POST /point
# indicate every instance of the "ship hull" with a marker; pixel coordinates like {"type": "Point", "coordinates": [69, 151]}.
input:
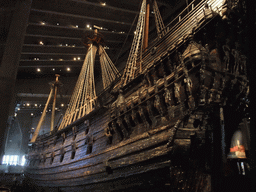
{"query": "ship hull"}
{"type": "Point", "coordinates": [165, 130]}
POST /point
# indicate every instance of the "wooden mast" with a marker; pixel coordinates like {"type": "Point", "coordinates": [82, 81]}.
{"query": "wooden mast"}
{"type": "Point", "coordinates": [54, 87]}
{"type": "Point", "coordinates": [54, 101]}
{"type": "Point", "coordinates": [145, 45]}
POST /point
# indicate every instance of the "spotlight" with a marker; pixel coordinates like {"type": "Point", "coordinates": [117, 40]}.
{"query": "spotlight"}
{"type": "Point", "coordinates": [38, 69]}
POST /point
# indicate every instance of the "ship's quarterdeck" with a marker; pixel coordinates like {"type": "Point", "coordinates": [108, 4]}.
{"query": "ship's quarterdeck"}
{"type": "Point", "coordinates": [121, 96]}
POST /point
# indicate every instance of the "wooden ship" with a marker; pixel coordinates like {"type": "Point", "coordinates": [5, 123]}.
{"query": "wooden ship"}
{"type": "Point", "coordinates": [165, 124]}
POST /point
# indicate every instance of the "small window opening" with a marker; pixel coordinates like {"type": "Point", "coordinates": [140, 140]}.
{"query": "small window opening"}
{"type": "Point", "coordinates": [73, 154]}
{"type": "Point", "coordinates": [61, 157]}
{"type": "Point", "coordinates": [89, 149]}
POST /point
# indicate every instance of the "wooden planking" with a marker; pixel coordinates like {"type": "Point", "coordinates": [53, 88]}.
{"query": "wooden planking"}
{"type": "Point", "coordinates": [115, 152]}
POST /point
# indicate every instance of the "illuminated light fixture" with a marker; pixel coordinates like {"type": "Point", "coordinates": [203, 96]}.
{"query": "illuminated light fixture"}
{"type": "Point", "coordinates": [62, 105]}
{"type": "Point", "coordinates": [28, 104]}
{"type": "Point", "coordinates": [37, 58]}
{"type": "Point", "coordinates": [66, 44]}
{"type": "Point", "coordinates": [38, 69]}
{"type": "Point", "coordinates": [103, 4]}
{"type": "Point", "coordinates": [34, 58]}
{"type": "Point", "coordinates": [78, 58]}
{"type": "Point", "coordinates": [61, 59]}
{"type": "Point", "coordinates": [15, 114]}
{"type": "Point", "coordinates": [56, 108]}
{"type": "Point", "coordinates": [88, 26]}
{"type": "Point", "coordinates": [32, 128]}
{"type": "Point", "coordinates": [135, 32]}
{"type": "Point", "coordinates": [41, 43]}
{"type": "Point", "coordinates": [152, 12]}
{"type": "Point", "coordinates": [35, 105]}
{"type": "Point", "coordinates": [32, 114]}
{"type": "Point", "coordinates": [50, 110]}
{"type": "Point", "coordinates": [53, 69]}
{"type": "Point", "coordinates": [76, 26]}
{"type": "Point", "coordinates": [74, 58]}
{"type": "Point", "coordinates": [43, 22]}
{"type": "Point", "coordinates": [74, 45]}
{"type": "Point", "coordinates": [51, 59]}
{"type": "Point", "coordinates": [60, 44]}
{"type": "Point", "coordinates": [57, 23]}
{"type": "Point", "coordinates": [60, 69]}
{"type": "Point", "coordinates": [18, 109]}
{"type": "Point", "coordinates": [68, 69]}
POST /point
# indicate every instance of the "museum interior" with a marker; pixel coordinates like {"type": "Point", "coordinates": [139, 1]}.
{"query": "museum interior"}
{"type": "Point", "coordinates": [127, 95]}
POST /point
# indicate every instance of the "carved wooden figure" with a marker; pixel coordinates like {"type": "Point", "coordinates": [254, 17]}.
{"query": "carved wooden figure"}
{"type": "Point", "coordinates": [108, 134]}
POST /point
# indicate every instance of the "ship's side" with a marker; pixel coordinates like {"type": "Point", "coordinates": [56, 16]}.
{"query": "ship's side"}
{"type": "Point", "coordinates": [163, 129]}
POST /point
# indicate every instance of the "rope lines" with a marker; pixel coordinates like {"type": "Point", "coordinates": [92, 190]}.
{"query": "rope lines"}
{"type": "Point", "coordinates": [83, 99]}
{"type": "Point", "coordinates": [137, 43]}
{"type": "Point", "coordinates": [109, 71]}
{"type": "Point", "coordinates": [161, 31]}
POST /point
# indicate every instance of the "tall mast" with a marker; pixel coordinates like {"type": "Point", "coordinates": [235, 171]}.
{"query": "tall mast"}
{"type": "Point", "coordinates": [54, 89]}
{"type": "Point", "coordinates": [54, 101]}
{"type": "Point", "coordinates": [146, 30]}
{"type": "Point", "coordinates": [84, 98]}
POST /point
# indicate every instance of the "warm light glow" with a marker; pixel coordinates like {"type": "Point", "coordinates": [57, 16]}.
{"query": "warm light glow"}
{"type": "Point", "coordinates": [76, 26]}
{"type": "Point", "coordinates": [35, 105]}
{"type": "Point", "coordinates": [66, 44]}
{"type": "Point", "coordinates": [41, 43]}
{"type": "Point", "coordinates": [32, 114]}
{"type": "Point", "coordinates": [32, 128]}
{"type": "Point", "coordinates": [53, 69]}
{"type": "Point", "coordinates": [74, 58]}
{"type": "Point", "coordinates": [78, 58]}
{"type": "Point", "coordinates": [62, 105]}
{"type": "Point", "coordinates": [18, 109]}
{"type": "Point", "coordinates": [15, 114]}
{"type": "Point", "coordinates": [28, 104]}
{"type": "Point", "coordinates": [51, 59]}
{"type": "Point", "coordinates": [43, 22]}
{"type": "Point", "coordinates": [88, 26]}
{"type": "Point", "coordinates": [57, 24]}
{"type": "Point", "coordinates": [135, 32]}
{"type": "Point", "coordinates": [37, 58]}
{"type": "Point", "coordinates": [103, 4]}
{"type": "Point", "coordinates": [68, 69]}
{"type": "Point", "coordinates": [38, 69]}
{"type": "Point", "coordinates": [61, 59]}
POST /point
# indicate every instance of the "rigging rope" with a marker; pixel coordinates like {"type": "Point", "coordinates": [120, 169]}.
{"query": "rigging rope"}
{"type": "Point", "coordinates": [83, 99]}
{"type": "Point", "coordinates": [161, 30]}
{"type": "Point", "coordinates": [137, 43]}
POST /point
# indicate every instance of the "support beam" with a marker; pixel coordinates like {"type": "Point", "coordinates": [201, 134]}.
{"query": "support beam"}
{"type": "Point", "coordinates": [10, 63]}
{"type": "Point", "coordinates": [69, 38]}
{"type": "Point", "coordinates": [79, 16]}
{"type": "Point", "coordinates": [107, 6]}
